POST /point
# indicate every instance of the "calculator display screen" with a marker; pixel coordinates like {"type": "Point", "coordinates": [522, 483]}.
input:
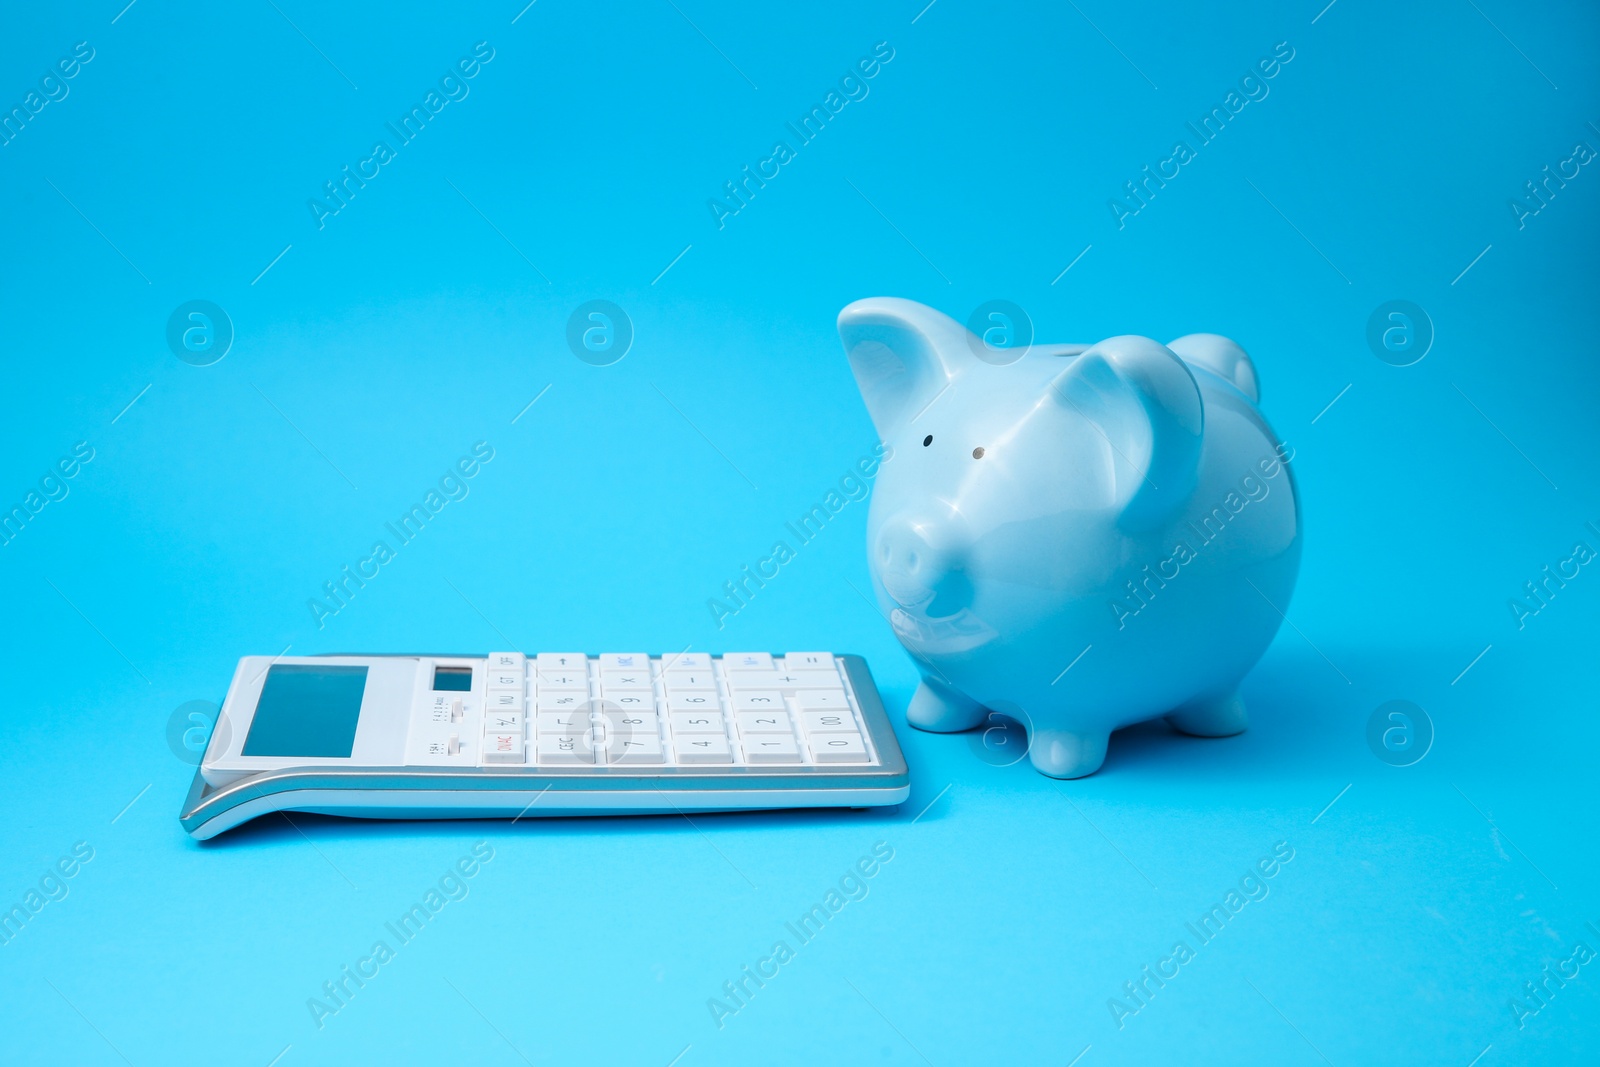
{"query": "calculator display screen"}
{"type": "Point", "coordinates": [452, 679]}
{"type": "Point", "coordinates": [307, 710]}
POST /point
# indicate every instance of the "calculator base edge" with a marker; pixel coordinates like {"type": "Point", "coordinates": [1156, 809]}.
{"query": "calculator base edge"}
{"type": "Point", "coordinates": [477, 804]}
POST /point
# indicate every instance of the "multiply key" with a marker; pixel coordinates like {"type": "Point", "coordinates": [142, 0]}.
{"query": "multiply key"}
{"type": "Point", "coordinates": [611, 681]}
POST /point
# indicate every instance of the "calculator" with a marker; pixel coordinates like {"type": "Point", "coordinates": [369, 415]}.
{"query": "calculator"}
{"type": "Point", "coordinates": [557, 733]}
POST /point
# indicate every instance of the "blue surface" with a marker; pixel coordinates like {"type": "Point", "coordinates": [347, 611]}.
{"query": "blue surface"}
{"type": "Point", "coordinates": [379, 349]}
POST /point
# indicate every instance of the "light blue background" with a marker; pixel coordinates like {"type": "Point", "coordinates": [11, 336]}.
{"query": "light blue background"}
{"type": "Point", "coordinates": [411, 326]}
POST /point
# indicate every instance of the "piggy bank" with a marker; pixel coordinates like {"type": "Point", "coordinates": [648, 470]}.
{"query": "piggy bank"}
{"type": "Point", "coordinates": [1080, 536]}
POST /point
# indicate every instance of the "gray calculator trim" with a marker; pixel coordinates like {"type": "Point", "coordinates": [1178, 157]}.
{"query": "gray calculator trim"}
{"type": "Point", "coordinates": [206, 809]}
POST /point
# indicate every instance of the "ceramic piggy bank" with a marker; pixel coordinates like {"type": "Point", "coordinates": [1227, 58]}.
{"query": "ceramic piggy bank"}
{"type": "Point", "coordinates": [1086, 537]}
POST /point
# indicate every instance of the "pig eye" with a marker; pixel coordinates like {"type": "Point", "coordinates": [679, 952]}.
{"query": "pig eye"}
{"type": "Point", "coordinates": [928, 440]}
{"type": "Point", "coordinates": [977, 453]}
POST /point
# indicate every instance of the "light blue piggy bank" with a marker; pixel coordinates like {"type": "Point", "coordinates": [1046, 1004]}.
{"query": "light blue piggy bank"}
{"type": "Point", "coordinates": [1084, 538]}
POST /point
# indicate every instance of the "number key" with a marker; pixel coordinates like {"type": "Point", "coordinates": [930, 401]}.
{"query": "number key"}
{"type": "Point", "coordinates": [696, 722]}
{"type": "Point", "coordinates": [838, 748]}
{"type": "Point", "coordinates": [698, 748]}
{"type": "Point", "coordinates": [770, 749]}
{"type": "Point", "coordinates": [828, 722]}
{"type": "Point", "coordinates": [635, 750]}
{"type": "Point", "coordinates": [763, 722]}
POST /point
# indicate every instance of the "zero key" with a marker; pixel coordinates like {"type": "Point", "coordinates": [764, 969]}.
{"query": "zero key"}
{"type": "Point", "coordinates": [838, 748]}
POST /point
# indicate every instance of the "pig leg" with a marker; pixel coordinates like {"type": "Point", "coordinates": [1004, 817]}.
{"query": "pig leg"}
{"type": "Point", "coordinates": [1066, 754]}
{"type": "Point", "coordinates": [1218, 714]}
{"type": "Point", "coordinates": [938, 708]}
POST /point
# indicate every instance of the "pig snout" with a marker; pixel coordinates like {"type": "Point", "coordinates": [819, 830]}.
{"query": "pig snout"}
{"type": "Point", "coordinates": [922, 566]}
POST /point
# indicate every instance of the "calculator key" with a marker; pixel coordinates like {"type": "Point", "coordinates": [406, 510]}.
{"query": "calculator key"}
{"type": "Point", "coordinates": [632, 700]}
{"type": "Point", "coordinates": [625, 679]}
{"type": "Point", "coordinates": [810, 680]}
{"type": "Point", "coordinates": [809, 661]}
{"type": "Point", "coordinates": [503, 722]}
{"type": "Point", "coordinates": [701, 748]}
{"type": "Point", "coordinates": [625, 661]}
{"type": "Point", "coordinates": [634, 750]}
{"type": "Point", "coordinates": [760, 680]}
{"type": "Point", "coordinates": [747, 661]}
{"type": "Point", "coordinates": [575, 681]}
{"type": "Point", "coordinates": [763, 722]}
{"type": "Point", "coordinates": [822, 698]}
{"type": "Point", "coordinates": [562, 661]}
{"type": "Point", "coordinates": [758, 700]}
{"type": "Point", "coordinates": [838, 748]}
{"type": "Point", "coordinates": [788, 681]}
{"type": "Point", "coordinates": [503, 748]}
{"type": "Point", "coordinates": [828, 722]}
{"type": "Point", "coordinates": [686, 661]}
{"type": "Point", "coordinates": [696, 722]}
{"type": "Point", "coordinates": [690, 681]}
{"type": "Point", "coordinates": [770, 748]}
{"type": "Point", "coordinates": [506, 661]}
{"type": "Point", "coordinates": [563, 722]}
{"type": "Point", "coordinates": [504, 700]}
{"type": "Point", "coordinates": [696, 702]}
{"type": "Point", "coordinates": [558, 749]}
{"type": "Point", "coordinates": [505, 680]}
{"type": "Point", "coordinates": [561, 701]}
{"type": "Point", "coordinates": [627, 723]}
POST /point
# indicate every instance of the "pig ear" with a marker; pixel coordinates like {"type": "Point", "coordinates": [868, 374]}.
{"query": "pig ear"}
{"type": "Point", "coordinates": [903, 354]}
{"type": "Point", "coordinates": [1145, 403]}
{"type": "Point", "coordinates": [1222, 357]}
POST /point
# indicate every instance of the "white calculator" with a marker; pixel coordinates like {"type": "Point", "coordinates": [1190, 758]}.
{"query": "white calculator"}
{"type": "Point", "coordinates": [558, 733]}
